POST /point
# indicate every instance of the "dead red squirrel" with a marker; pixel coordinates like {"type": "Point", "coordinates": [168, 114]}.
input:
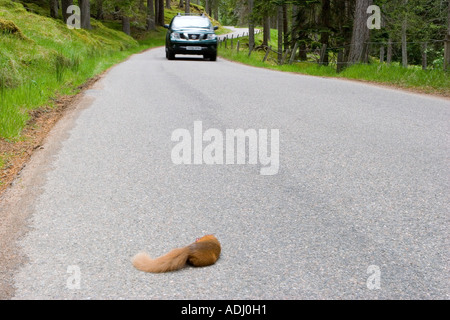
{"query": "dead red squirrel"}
{"type": "Point", "coordinates": [203, 252]}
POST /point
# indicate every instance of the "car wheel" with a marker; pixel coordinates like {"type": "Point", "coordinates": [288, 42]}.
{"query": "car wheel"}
{"type": "Point", "coordinates": [213, 57]}
{"type": "Point", "coordinates": [170, 55]}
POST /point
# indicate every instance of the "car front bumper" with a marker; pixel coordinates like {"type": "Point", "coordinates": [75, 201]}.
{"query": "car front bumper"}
{"type": "Point", "coordinates": [193, 47]}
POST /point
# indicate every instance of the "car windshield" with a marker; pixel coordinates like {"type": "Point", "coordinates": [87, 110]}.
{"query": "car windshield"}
{"type": "Point", "coordinates": [191, 22]}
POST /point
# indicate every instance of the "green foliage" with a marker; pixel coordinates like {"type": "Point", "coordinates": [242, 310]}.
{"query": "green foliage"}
{"type": "Point", "coordinates": [9, 27]}
{"type": "Point", "coordinates": [228, 12]}
{"type": "Point", "coordinates": [434, 81]}
{"type": "Point", "coordinates": [426, 22]}
{"type": "Point", "coordinates": [310, 23]}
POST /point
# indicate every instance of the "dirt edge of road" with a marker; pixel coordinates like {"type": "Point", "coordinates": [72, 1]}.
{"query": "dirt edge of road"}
{"type": "Point", "coordinates": [42, 120]}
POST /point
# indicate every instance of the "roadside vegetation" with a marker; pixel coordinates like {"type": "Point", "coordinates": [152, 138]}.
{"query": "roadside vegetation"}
{"type": "Point", "coordinates": [402, 43]}
{"type": "Point", "coordinates": [434, 80]}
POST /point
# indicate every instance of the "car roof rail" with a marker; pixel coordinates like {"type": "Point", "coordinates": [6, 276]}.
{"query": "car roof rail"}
{"type": "Point", "coordinates": [191, 14]}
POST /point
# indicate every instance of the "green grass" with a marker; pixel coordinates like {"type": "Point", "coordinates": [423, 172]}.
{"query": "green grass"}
{"type": "Point", "coordinates": [434, 81]}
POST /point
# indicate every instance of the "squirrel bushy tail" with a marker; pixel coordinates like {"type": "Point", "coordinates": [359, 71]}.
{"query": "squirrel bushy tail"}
{"type": "Point", "coordinates": [203, 252]}
{"type": "Point", "coordinates": [174, 260]}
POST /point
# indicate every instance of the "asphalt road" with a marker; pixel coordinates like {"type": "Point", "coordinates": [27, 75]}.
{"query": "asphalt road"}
{"type": "Point", "coordinates": [234, 32]}
{"type": "Point", "coordinates": [357, 210]}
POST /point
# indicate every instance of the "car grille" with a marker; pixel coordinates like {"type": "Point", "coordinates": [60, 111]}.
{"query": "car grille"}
{"type": "Point", "coordinates": [192, 36]}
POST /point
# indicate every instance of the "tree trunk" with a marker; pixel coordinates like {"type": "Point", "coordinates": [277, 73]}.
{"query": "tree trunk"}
{"type": "Point", "coordinates": [389, 51]}
{"type": "Point", "coordinates": [64, 5]}
{"type": "Point", "coordinates": [126, 25]}
{"type": "Point", "coordinates": [324, 35]}
{"type": "Point", "coordinates": [360, 32]}
{"type": "Point", "coordinates": [280, 32]}
{"type": "Point", "coordinates": [404, 44]}
{"type": "Point", "coordinates": [424, 56]}
{"type": "Point", "coordinates": [266, 31]}
{"type": "Point", "coordinates": [150, 15]}
{"type": "Point", "coordinates": [208, 6]}
{"type": "Point", "coordinates": [168, 4]}
{"type": "Point", "coordinates": [349, 9]}
{"type": "Point", "coordinates": [180, 5]}
{"type": "Point", "coordinates": [298, 32]}
{"type": "Point", "coordinates": [161, 13]}
{"type": "Point", "coordinates": [447, 44]}
{"type": "Point", "coordinates": [285, 28]}
{"type": "Point", "coordinates": [85, 7]}
{"type": "Point", "coordinates": [216, 9]}
{"type": "Point", "coordinates": [187, 9]}
{"type": "Point", "coordinates": [294, 26]}
{"type": "Point", "coordinates": [448, 21]}
{"type": "Point", "coordinates": [340, 61]}
{"type": "Point", "coordinates": [251, 27]}
{"type": "Point", "coordinates": [54, 8]}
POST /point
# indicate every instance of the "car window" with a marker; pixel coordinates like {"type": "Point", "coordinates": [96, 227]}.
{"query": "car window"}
{"type": "Point", "coordinates": [190, 22]}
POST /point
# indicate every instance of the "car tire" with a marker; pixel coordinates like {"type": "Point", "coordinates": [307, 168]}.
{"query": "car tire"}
{"type": "Point", "coordinates": [170, 55]}
{"type": "Point", "coordinates": [211, 57]}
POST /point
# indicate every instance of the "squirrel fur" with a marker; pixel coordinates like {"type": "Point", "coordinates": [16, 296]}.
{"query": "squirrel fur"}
{"type": "Point", "coordinates": [203, 252]}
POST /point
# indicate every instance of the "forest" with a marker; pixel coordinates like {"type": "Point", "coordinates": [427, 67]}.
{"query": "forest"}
{"type": "Point", "coordinates": [408, 28]}
{"type": "Point", "coordinates": [410, 31]}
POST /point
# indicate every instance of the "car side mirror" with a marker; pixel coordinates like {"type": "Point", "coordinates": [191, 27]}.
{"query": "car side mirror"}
{"type": "Point", "coordinates": [166, 26]}
{"type": "Point", "coordinates": [216, 27]}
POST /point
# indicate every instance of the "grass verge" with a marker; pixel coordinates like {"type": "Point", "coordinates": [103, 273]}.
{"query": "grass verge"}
{"type": "Point", "coordinates": [431, 81]}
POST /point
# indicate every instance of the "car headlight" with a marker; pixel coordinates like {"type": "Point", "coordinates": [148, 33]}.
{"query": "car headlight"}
{"type": "Point", "coordinates": [175, 36]}
{"type": "Point", "coordinates": [211, 36]}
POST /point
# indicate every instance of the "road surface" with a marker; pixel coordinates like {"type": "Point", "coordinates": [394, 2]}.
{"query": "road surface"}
{"type": "Point", "coordinates": [235, 32]}
{"type": "Point", "coordinates": [358, 208]}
